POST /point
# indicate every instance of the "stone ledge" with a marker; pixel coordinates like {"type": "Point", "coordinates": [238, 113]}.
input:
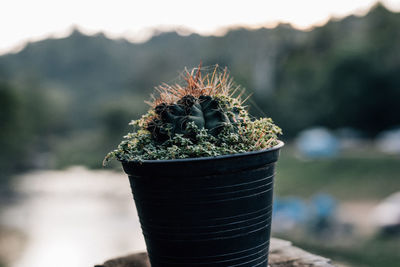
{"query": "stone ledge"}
{"type": "Point", "coordinates": [282, 254]}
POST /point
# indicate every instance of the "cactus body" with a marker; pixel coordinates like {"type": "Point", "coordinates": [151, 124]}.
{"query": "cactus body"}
{"type": "Point", "coordinates": [204, 112]}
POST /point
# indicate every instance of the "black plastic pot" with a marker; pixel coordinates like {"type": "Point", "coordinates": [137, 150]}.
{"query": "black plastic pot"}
{"type": "Point", "coordinates": [211, 211]}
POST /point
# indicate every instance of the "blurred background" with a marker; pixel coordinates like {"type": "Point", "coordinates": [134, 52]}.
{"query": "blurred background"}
{"type": "Point", "coordinates": [72, 76]}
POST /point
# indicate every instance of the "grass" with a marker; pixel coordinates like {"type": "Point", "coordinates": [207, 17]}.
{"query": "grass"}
{"type": "Point", "coordinates": [359, 175]}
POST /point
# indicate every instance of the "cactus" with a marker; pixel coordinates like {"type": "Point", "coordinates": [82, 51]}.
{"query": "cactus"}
{"type": "Point", "coordinates": [204, 112]}
{"type": "Point", "coordinates": [202, 118]}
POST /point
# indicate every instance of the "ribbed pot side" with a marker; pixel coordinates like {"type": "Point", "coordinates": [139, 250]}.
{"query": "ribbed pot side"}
{"type": "Point", "coordinates": [211, 211]}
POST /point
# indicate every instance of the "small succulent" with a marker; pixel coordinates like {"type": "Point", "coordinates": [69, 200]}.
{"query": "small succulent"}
{"type": "Point", "coordinates": [203, 118]}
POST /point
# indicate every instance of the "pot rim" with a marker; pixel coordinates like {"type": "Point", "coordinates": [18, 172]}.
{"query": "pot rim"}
{"type": "Point", "coordinates": [277, 147]}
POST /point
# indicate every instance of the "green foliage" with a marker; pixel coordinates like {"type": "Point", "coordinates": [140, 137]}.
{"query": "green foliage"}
{"type": "Point", "coordinates": [340, 75]}
{"type": "Point", "coordinates": [14, 131]}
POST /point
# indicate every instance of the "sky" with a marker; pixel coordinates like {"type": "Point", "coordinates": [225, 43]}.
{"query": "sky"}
{"type": "Point", "coordinates": [26, 20]}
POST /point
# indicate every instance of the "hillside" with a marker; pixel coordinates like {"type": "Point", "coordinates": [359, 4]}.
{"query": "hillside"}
{"type": "Point", "coordinates": [79, 90]}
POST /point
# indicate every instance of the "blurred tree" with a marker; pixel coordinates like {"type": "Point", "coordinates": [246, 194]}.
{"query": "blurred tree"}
{"type": "Point", "coordinates": [13, 131]}
{"type": "Point", "coordinates": [363, 96]}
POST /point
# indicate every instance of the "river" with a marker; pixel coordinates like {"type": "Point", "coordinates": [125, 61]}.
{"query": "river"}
{"type": "Point", "coordinates": [75, 217]}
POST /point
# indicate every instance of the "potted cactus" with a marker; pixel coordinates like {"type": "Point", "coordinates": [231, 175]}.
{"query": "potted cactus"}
{"type": "Point", "coordinates": [201, 172]}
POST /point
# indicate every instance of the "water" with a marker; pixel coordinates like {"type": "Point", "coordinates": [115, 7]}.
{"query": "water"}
{"type": "Point", "coordinates": [76, 217]}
